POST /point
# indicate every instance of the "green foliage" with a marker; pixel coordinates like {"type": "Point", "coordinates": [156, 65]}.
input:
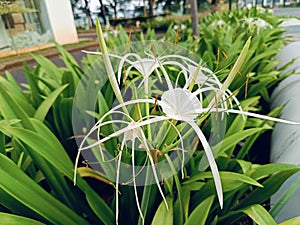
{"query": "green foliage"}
{"type": "Point", "coordinates": [37, 151]}
{"type": "Point", "coordinates": [36, 124]}
{"type": "Point", "coordinates": [10, 219]}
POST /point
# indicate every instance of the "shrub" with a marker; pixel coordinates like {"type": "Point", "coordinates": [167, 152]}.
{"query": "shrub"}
{"type": "Point", "coordinates": [38, 148]}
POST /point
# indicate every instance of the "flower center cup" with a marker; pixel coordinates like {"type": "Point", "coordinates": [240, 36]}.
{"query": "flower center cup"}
{"type": "Point", "coordinates": [180, 104]}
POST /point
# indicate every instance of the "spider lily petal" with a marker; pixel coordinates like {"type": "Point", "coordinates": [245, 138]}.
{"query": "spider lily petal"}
{"type": "Point", "coordinates": [179, 104]}
{"type": "Point", "coordinates": [211, 161]}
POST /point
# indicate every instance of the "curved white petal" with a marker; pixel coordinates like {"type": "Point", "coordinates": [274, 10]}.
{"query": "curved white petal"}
{"type": "Point", "coordinates": [211, 161]}
{"type": "Point", "coordinates": [179, 104]}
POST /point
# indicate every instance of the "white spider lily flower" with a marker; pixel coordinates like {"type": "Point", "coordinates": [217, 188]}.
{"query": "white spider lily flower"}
{"type": "Point", "coordinates": [146, 66]}
{"type": "Point", "coordinates": [179, 27]}
{"type": "Point", "coordinates": [258, 23]}
{"type": "Point", "coordinates": [182, 105]}
{"type": "Point", "coordinates": [134, 132]}
{"type": "Point", "coordinates": [130, 133]}
{"type": "Point", "coordinates": [218, 23]}
{"type": "Point", "coordinates": [179, 102]}
{"type": "Point", "coordinates": [207, 80]}
{"type": "Point", "coordinates": [176, 27]}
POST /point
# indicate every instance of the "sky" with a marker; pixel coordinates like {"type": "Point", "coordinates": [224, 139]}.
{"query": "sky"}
{"type": "Point", "coordinates": [95, 4]}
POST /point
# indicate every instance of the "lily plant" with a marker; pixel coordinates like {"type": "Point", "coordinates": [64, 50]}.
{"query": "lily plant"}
{"type": "Point", "coordinates": [171, 95]}
{"type": "Point", "coordinates": [252, 23]}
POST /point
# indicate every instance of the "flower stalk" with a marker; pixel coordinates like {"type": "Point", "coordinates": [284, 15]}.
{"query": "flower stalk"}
{"type": "Point", "coordinates": [108, 66]}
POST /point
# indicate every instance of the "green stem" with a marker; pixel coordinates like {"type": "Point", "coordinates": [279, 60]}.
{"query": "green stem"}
{"type": "Point", "coordinates": [108, 66]}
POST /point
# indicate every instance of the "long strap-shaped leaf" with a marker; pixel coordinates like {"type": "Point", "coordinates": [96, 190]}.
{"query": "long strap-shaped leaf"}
{"type": "Point", "coordinates": [259, 214]}
{"type": "Point", "coordinates": [6, 218]}
{"type": "Point", "coordinates": [24, 190]}
{"type": "Point", "coordinates": [45, 144]}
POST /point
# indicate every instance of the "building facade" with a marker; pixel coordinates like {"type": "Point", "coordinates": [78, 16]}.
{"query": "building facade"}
{"type": "Point", "coordinates": [52, 21]}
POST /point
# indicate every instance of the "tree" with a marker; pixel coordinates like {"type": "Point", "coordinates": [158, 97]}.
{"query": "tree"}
{"type": "Point", "coordinates": [83, 6]}
{"type": "Point", "coordinates": [144, 8]}
{"type": "Point", "coordinates": [102, 11]}
{"type": "Point", "coordinates": [194, 15]}
{"type": "Point", "coordinates": [230, 5]}
{"type": "Point", "coordinates": [171, 5]}
{"type": "Point", "coordinates": [86, 9]}
{"type": "Point", "coordinates": [184, 7]}
{"type": "Point", "coordinates": [151, 7]}
{"type": "Point", "coordinates": [113, 4]}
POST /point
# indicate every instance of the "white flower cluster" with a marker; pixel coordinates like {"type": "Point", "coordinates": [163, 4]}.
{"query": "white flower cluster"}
{"type": "Point", "coordinates": [218, 23]}
{"type": "Point", "coordinates": [257, 23]}
{"type": "Point", "coordinates": [168, 92]}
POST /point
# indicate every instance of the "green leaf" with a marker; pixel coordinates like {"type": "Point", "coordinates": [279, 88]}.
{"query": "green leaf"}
{"type": "Point", "coordinates": [2, 144]}
{"type": "Point", "coordinates": [66, 54]}
{"type": "Point", "coordinates": [49, 67]}
{"type": "Point", "coordinates": [230, 180]}
{"type": "Point", "coordinates": [228, 143]}
{"type": "Point", "coordinates": [51, 148]}
{"type": "Point", "coordinates": [11, 110]}
{"type": "Point", "coordinates": [259, 215]}
{"type": "Point", "coordinates": [10, 219]}
{"type": "Point", "coordinates": [288, 193]}
{"type": "Point", "coordinates": [44, 108]}
{"type": "Point", "coordinates": [164, 216]}
{"type": "Point", "coordinates": [68, 78]}
{"type": "Point", "coordinates": [270, 186]}
{"type": "Point", "coordinates": [236, 68]}
{"type": "Point", "coordinates": [11, 204]}
{"type": "Point", "coordinates": [262, 171]}
{"type": "Point", "coordinates": [32, 80]}
{"type": "Point", "coordinates": [12, 86]}
{"type": "Point", "coordinates": [235, 138]}
{"type": "Point", "coordinates": [293, 221]}
{"type": "Point", "coordinates": [236, 126]}
{"type": "Point", "coordinates": [98, 206]}
{"type": "Point", "coordinates": [186, 197]}
{"type": "Point", "coordinates": [245, 165]}
{"type": "Point", "coordinates": [91, 173]}
{"type": "Point", "coordinates": [200, 213]}
{"type": "Point", "coordinates": [54, 153]}
{"type": "Point", "coordinates": [24, 190]}
{"type": "Point", "coordinates": [148, 202]}
{"type": "Point", "coordinates": [178, 206]}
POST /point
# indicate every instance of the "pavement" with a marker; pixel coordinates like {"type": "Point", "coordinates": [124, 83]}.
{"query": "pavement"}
{"type": "Point", "coordinates": [15, 67]}
{"type": "Point", "coordinates": [287, 11]}
{"type": "Point", "coordinates": [285, 140]}
{"type": "Point", "coordinates": [291, 25]}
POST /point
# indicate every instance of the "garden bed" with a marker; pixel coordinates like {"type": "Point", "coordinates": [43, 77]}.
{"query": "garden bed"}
{"type": "Point", "coordinates": [178, 151]}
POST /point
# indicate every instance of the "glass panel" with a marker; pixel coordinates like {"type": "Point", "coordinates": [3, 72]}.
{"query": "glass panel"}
{"type": "Point", "coordinates": [23, 30]}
